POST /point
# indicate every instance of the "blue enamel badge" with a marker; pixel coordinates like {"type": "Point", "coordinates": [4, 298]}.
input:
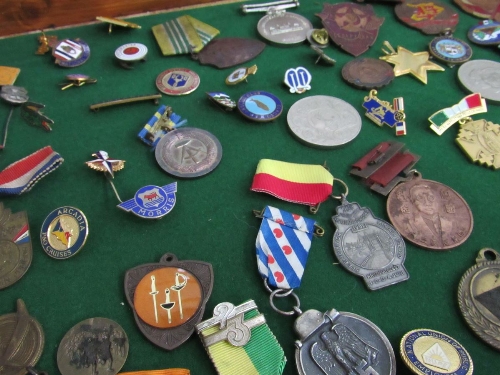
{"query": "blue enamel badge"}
{"type": "Point", "coordinates": [260, 106]}
{"type": "Point", "coordinates": [152, 202]}
{"type": "Point", "coordinates": [71, 52]}
{"type": "Point", "coordinates": [298, 80]}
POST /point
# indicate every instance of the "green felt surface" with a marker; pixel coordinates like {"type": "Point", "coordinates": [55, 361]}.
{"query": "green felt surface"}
{"type": "Point", "coordinates": [212, 220]}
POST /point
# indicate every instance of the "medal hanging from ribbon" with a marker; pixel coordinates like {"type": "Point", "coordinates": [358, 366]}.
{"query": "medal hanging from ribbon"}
{"type": "Point", "coordinates": [22, 175]}
{"type": "Point", "coordinates": [298, 183]}
{"type": "Point", "coordinates": [282, 245]}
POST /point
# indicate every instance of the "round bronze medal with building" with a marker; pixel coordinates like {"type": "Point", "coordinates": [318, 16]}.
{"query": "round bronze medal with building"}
{"type": "Point", "coordinates": [430, 214]}
{"type": "Point", "coordinates": [64, 232]}
{"type": "Point", "coordinates": [93, 346]}
{"type": "Point", "coordinates": [478, 296]}
{"type": "Point", "coordinates": [426, 351]}
{"type": "Point", "coordinates": [177, 81]}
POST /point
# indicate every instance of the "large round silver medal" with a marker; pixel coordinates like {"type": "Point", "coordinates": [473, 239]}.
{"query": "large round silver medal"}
{"type": "Point", "coordinates": [368, 247]}
{"type": "Point", "coordinates": [341, 343]}
{"type": "Point", "coordinates": [284, 27]}
{"type": "Point", "coordinates": [478, 296]}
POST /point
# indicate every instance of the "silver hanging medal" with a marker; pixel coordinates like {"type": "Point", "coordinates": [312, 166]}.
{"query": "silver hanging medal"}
{"type": "Point", "coordinates": [331, 343]}
{"type": "Point", "coordinates": [368, 246]}
{"type": "Point", "coordinates": [279, 26]}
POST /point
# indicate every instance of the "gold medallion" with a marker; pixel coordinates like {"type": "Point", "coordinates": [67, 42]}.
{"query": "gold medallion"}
{"type": "Point", "coordinates": [480, 140]}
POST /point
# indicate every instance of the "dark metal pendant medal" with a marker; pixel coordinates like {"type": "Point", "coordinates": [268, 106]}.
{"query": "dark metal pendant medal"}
{"type": "Point", "coordinates": [226, 52]}
{"type": "Point", "coordinates": [168, 298]}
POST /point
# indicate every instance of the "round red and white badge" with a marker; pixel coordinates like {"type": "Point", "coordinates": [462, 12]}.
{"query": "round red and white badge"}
{"type": "Point", "coordinates": [131, 52]}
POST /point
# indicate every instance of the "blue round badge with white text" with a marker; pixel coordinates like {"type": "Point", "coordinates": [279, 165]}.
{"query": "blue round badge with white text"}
{"type": "Point", "coordinates": [151, 201]}
{"type": "Point", "coordinates": [260, 106]}
{"type": "Point", "coordinates": [64, 232]}
{"type": "Point", "coordinates": [450, 50]}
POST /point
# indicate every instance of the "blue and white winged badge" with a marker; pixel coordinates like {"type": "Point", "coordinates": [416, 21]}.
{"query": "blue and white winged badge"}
{"type": "Point", "coordinates": [152, 202]}
{"type": "Point", "coordinates": [282, 245]}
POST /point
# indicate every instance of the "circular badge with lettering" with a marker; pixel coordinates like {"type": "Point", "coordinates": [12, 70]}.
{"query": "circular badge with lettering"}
{"type": "Point", "coordinates": [426, 351]}
{"type": "Point", "coordinates": [450, 50]}
{"type": "Point", "coordinates": [260, 106]}
{"type": "Point", "coordinates": [167, 297]}
{"type": "Point", "coordinates": [64, 232]}
{"type": "Point", "coordinates": [71, 52]}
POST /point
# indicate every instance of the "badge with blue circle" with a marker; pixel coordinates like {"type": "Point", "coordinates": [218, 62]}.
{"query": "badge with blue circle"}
{"type": "Point", "coordinates": [487, 32]}
{"type": "Point", "coordinates": [298, 80]}
{"type": "Point", "coordinates": [151, 201]}
{"type": "Point", "coordinates": [260, 106]}
{"type": "Point", "coordinates": [450, 50]}
{"type": "Point", "coordinates": [64, 232]}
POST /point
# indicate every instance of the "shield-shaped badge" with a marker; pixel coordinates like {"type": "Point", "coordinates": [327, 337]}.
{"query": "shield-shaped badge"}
{"type": "Point", "coordinates": [353, 27]}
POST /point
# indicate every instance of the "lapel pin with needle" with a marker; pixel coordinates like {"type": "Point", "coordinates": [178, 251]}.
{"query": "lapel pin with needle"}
{"type": "Point", "coordinates": [14, 95]}
{"type": "Point", "coordinates": [149, 202]}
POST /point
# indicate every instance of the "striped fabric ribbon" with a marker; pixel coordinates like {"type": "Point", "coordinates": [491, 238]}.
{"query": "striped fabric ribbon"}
{"type": "Point", "coordinates": [259, 354]}
{"type": "Point", "coordinates": [183, 35]}
{"type": "Point", "coordinates": [282, 245]}
{"type": "Point", "coordinates": [445, 118]}
{"type": "Point", "coordinates": [169, 371]}
{"type": "Point", "coordinates": [298, 183]}
{"type": "Point", "coordinates": [22, 175]}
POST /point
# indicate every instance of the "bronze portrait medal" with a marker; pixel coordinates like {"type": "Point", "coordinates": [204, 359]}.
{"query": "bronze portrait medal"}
{"type": "Point", "coordinates": [92, 347]}
{"type": "Point", "coordinates": [21, 342]}
{"type": "Point", "coordinates": [425, 212]}
{"type": "Point", "coordinates": [353, 27]}
{"type": "Point", "coordinates": [479, 297]}
{"type": "Point", "coordinates": [367, 73]}
{"type": "Point", "coordinates": [16, 252]}
{"type": "Point", "coordinates": [168, 298]}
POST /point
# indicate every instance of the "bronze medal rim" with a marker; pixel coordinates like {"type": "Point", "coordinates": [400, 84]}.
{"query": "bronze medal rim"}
{"type": "Point", "coordinates": [403, 11]}
{"type": "Point", "coordinates": [392, 197]}
{"type": "Point", "coordinates": [363, 61]}
{"type": "Point", "coordinates": [479, 324]}
{"type": "Point", "coordinates": [66, 369]}
{"type": "Point", "coordinates": [36, 346]}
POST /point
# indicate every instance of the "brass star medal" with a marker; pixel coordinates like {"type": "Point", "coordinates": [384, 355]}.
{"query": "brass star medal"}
{"type": "Point", "coordinates": [406, 62]}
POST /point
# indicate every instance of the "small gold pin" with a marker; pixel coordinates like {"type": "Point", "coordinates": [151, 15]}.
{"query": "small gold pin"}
{"type": "Point", "coordinates": [117, 22]}
{"type": "Point", "coordinates": [77, 80]}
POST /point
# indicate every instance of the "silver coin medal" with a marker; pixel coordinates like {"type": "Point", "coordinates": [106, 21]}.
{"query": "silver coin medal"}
{"type": "Point", "coordinates": [481, 76]}
{"type": "Point", "coordinates": [149, 202]}
{"type": "Point", "coordinates": [279, 26]}
{"type": "Point", "coordinates": [324, 121]}
{"type": "Point", "coordinates": [333, 342]}
{"type": "Point", "coordinates": [368, 246]}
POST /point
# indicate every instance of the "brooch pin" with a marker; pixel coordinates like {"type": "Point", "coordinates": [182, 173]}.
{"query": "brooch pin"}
{"type": "Point", "coordinates": [298, 80]}
{"type": "Point", "coordinates": [149, 202]}
{"type": "Point", "coordinates": [240, 75]}
{"type": "Point", "coordinates": [381, 112]}
{"type": "Point", "coordinates": [163, 121]}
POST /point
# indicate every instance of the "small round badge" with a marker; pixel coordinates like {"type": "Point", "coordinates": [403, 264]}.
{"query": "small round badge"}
{"type": "Point", "coordinates": [450, 50]}
{"type": "Point", "coordinates": [131, 52]}
{"type": "Point", "coordinates": [177, 81]}
{"type": "Point", "coordinates": [64, 232]}
{"type": "Point", "coordinates": [71, 52]}
{"type": "Point", "coordinates": [260, 106]}
{"type": "Point", "coordinates": [426, 351]}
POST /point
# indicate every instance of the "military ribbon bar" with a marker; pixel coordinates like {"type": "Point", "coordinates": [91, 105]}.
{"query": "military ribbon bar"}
{"type": "Point", "coordinates": [298, 183]}
{"type": "Point", "coordinates": [22, 175]}
{"type": "Point", "coordinates": [445, 118]}
{"type": "Point", "coordinates": [282, 245]}
{"type": "Point", "coordinates": [183, 35]}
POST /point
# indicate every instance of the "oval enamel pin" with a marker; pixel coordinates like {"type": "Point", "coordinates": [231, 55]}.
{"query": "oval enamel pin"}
{"type": "Point", "coordinates": [260, 106]}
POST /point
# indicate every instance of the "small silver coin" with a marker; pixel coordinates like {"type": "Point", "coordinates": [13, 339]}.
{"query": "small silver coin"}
{"type": "Point", "coordinates": [188, 152]}
{"type": "Point", "coordinates": [482, 76]}
{"type": "Point", "coordinates": [93, 346]}
{"type": "Point", "coordinates": [286, 28]}
{"type": "Point", "coordinates": [324, 121]}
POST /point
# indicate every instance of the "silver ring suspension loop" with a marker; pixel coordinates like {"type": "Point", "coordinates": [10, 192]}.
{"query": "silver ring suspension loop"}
{"type": "Point", "coordinates": [278, 293]}
{"type": "Point", "coordinates": [343, 195]}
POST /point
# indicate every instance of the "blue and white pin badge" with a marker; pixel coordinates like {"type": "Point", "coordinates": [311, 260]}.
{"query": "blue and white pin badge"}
{"type": "Point", "coordinates": [163, 121]}
{"type": "Point", "coordinates": [382, 112]}
{"type": "Point", "coordinates": [298, 80]}
{"type": "Point", "coordinates": [70, 52]}
{"type": "Point", "coordinates": [152, 202]}
{"type": "Point", "coordinates": [149, 202]}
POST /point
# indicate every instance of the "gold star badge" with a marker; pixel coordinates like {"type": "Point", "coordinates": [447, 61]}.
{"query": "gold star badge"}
{"type": "Point", "coordinates": [408, 62]}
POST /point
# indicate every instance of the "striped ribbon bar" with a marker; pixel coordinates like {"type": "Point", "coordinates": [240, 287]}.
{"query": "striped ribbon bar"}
{"type": "Point", "coordinates": [445, 118]}
{"type": "Point", "coordinates": [282, 245]}
{"type": "Point", "coordinates": [298, 183]}
{"type": "Point", "coordinates": [183, 35]}
{"type": "Point", "coordinates": [160, 124]}
{"type": "Point", "coordinates": [169, 371]}
{"type": "Point", "coordinates": [22, 175]}
{"type": "Point", "coordinates": [239, 341]}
